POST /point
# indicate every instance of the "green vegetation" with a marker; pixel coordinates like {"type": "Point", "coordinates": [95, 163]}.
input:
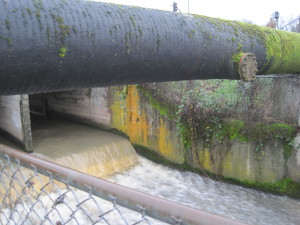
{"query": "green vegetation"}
{"type": "Point", "coordinates": [64, 29]}
{"type": "Point", "coordinates": [215, 129]}
{"type": "Point", "coordinates": [38, 14]}
{"type": "Point", "coordinates": [8, 40]}
{"type": "Point", "coordinates": [38, 4]}
{"type": "Point", "coordinates": [29, 12]}
{"type": "Point", "coordinates": [237, 57]}
{"type": "Point", "coordinates": [198, 117]}
{"type": "Point", "coordinates": [140, 32]}
{"type": "Point", "coordinates": [281, 47]}
{"type": "Point", "coordinates": [213, 100]}
{"type": "Point", "coordinates": [38, 17]}
{"type": "Point", "coordinates": [164, 108]}
{"type": "Point", "coordinates": [184, 130]}
{"type": "Point", "coordinates": [133, 21]}
{"type": "Point", "coordinates": [191, 33]}
{"type": "Point", "coordinates": [282, 52]}
{"type": "Point", "coordinates": [62, 52]}
{"type": "Point", "coordinates": [233, 129]}
{"type": "Point", "coordinates": [58, 19]}
{"type": "Point", "coordinates": [123, 93]}
{"type": "Point", "coordinates": [210, 97]}
{"type": "Point", "coordinates": [286, 186]}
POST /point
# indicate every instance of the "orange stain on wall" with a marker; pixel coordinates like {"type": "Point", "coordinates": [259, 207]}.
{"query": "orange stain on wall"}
{"type": "Point", "coordinates": [131, 117]}
{"type": "Point", "coordinates": [128, 116]}
{"type": "Point", "coordinates": [163, 142]}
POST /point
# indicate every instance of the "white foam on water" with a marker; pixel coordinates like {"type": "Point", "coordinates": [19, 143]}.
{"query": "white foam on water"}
{"type": "Point", "coordinates": [231, 201]}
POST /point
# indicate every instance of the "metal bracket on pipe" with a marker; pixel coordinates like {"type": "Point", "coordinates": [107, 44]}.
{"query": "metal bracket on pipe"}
{"type": "Point", "coordinates": [248, 67]}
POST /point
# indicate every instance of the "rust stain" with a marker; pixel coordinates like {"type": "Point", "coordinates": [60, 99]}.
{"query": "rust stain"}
{"type": "Point", "coordinates": [163, 139]}
{"type": "Point", "coordinates": [134, 118]}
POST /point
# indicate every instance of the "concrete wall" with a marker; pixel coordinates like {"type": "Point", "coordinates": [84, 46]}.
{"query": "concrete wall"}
{"type": "Point", "coordinates": [87, 105]}
{"type": "Point", "coordinates": [121, 108]}
{"type": "Point", "coordinates": [286, 100]}
{"type": "Point", "coordinates": [150, 122]}
{"type": "Point", "coordinates": [264, 99]}
{"type": "Point", "coordinates": [15, 119]}
{"type": "Point", "coordinates": [274, 100]}
{"type": "Point", "coordinates": [240, 160]}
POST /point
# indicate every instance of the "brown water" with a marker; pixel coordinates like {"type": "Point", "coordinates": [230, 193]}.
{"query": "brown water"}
{"type": "Point", "coordinates": [106, 155]}
{"type": "Point", "coordinates": [79, 147]}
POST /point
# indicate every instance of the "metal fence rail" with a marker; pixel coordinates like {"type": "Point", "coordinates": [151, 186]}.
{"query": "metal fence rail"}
{"type": "Point", "coordinates": [35, 191]}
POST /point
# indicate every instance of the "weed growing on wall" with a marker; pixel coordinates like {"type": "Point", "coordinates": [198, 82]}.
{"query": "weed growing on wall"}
{"type": "Point", "coordinates": [209, 116]}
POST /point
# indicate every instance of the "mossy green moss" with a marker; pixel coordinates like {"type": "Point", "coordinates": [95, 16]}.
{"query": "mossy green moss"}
{"type": "Point", "coordinates": [282, 49]}
{"type": "Point", "coordinates": [168, 110]}
{"type": "Point", "coordinates": [260, 134]}
{"type": "Point", "coordinates": [62, 52]}
{"type": "Point", "coordinates": [133, 20]}
{"type": "Point", "coordinates": [8, 40]}
{"type": "Point", "coordinates": [238, 129]}
{"type": "Point", "coordinates": [285, 186]}
{"type": "Point", "coordinates": [288, 186]}
{"type": "Point", "coordinates": [185, 131]}
{"type": "Point", "coordinates": [29, 12]}
{"type": "Point", "coordinates": [233, 129]}
{"type": "Point", "coordinates": [237, 57]}
{"type": "Point", "coordinates": [164, 108]}
{"type": "Point", "coordinates": [38, 17]}
{"type": "Point", "coordinates": [65, 30]}
{"type": "Point", "coordinates": [213, 128]}
{"type": "Point", "coordinates": [38, 4]}
{"type": "Point", "coordinates": [192, 33]}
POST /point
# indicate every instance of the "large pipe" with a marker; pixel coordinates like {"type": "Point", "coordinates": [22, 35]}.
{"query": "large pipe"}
{"type": "Point", "coordinates": [51, 45]}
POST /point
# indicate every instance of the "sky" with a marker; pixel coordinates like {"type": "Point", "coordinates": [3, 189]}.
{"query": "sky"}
{"type": "Point", "coordinates": [257, 11]}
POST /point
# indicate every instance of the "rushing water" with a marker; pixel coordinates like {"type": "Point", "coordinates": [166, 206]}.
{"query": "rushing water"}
{"type": "Point", "coordinates": [231, 201]}
{"type": "Point", "coordinates": [88, 150]}
{"type": "Point", "coordinates": [103, 154]}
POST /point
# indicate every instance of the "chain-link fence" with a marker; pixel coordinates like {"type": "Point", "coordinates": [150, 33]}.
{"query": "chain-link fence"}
{"type": "Point", "coordinates": [34, 191]}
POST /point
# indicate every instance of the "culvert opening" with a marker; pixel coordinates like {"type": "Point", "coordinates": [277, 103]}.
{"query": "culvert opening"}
{"type": "Point", "coordinates": [87, 149]}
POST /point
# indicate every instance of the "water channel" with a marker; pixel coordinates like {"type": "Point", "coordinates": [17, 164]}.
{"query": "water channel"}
{"type": "Point", "coordinates": [112, 157]}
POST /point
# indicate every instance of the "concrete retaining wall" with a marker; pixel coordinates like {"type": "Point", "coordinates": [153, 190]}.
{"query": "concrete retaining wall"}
{"type": "Point", "coordinates": [124, 109]}
{"type": "Point", "coordinates": [15, 119]}
{"type": "Point", "coordinates": [151, 123]}
{"type": "Point", "coordinates": [87, 105]}
{"type": "Point", "coordinates": [241, 160]}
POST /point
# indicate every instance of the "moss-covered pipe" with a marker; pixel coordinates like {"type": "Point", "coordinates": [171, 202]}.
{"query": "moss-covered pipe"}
{"type": "Point", "coordinates": [50, 45]}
